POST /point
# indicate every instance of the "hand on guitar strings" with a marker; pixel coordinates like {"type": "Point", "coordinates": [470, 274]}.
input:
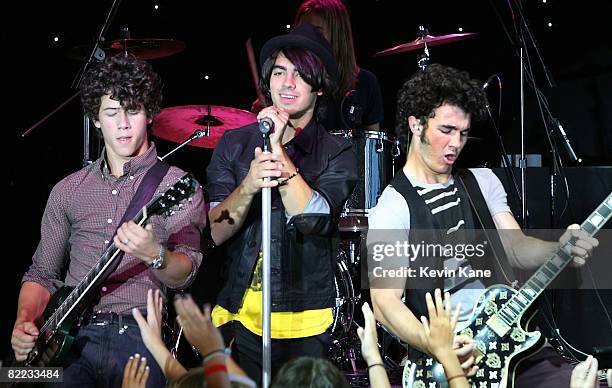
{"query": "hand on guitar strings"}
{"type": "Point", "coordinates": [23, 338]}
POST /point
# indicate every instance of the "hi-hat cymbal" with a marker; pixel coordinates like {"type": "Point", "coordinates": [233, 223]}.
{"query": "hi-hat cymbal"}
{"type": "Point", "coordinates": [141, 48]}
{"type": "Point", "coordinates": [178, 123]}
{"type": "Point", "coordinates": [419, 43]}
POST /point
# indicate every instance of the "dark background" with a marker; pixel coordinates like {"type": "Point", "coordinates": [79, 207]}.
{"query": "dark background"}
{"type": "Point", "coordinates": [38, 73]}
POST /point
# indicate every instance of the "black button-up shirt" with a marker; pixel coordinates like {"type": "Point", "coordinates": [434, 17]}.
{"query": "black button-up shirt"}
{"type": "Point", "coordinates": [303, 255]}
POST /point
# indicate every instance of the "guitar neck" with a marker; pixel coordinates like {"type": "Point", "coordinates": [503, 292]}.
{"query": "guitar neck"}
{"type": "Point", "coordinates": [548, 272]}
{"type": "Point", "coordinates": [107, 263]}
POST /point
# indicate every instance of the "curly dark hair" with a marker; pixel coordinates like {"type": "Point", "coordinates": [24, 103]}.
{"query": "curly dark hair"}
{"type": "Point", "coordinates": [311, 69]}
{"type": "Point", "coordinates": [427, 90]}
{"type": "Point", "coordinates": [125, 78]}
{"type": "Point", "coordinates": [309, 372]}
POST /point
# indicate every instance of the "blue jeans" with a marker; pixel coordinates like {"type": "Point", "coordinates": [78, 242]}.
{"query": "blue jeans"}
{"type": "Point", "coordinates": [100, 352]}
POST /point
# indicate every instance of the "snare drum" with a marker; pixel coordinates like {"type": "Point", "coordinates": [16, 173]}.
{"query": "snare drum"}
{"type": "Point", "coordinates": [376, 153]}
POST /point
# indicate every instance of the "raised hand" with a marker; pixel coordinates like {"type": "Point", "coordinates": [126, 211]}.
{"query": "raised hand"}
{"type": "Point", "coordinates": [585, 375]}
{"type": "Point", "coordinates": [368, 337]}
{"type": "Point", "coordinates": [150, 328]}
{"type": "Point", "coordinates": [135, 373]}
{"type": "Point", "coordinates": [197, 325]}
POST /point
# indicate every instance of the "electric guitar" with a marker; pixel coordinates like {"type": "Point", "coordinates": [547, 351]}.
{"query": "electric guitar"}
{"type": "Point", "coordinates": [65, 310]}
{"type": "Point", "coordinates": [497, 323]}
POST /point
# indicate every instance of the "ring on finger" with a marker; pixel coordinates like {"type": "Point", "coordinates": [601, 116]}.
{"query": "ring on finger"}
{"type": "Point", "coordinates": [126, 241]}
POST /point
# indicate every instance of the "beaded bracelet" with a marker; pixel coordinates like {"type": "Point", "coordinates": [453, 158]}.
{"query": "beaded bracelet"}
{"type": "Point", "coordinates": [286, 180]}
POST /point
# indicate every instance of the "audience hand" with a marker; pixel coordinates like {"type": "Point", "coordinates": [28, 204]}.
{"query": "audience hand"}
{"type": "Point", "coordinates": [585, 374]}
{"type": "Point", "coordinates": [150, 328]}
{"type": "Point", "coordinates": [368, 337]}
{"type": "Point", "coordinates": [135, 373]}
{"type": "Point", "coordinates": [439, 333]}
{"type": "Point", "coordinates": [197, 325]}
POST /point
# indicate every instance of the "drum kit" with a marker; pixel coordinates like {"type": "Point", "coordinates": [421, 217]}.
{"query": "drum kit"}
{"type": "Point", "coordinates": [377, 156]}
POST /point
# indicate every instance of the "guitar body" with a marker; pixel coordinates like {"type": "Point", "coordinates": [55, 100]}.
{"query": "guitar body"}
{"type": "Point", "coordinates": [51, 348]}
{"type": "Point", "coordinates": [497, 356]}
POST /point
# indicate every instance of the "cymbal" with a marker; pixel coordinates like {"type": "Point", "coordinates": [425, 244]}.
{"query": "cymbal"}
{"type": "Point", "coordinates": [419, 43]}
{"type": "Point", "coordinates": [141, 48]}
{"type": "Point", "coordinates": [178, 123]}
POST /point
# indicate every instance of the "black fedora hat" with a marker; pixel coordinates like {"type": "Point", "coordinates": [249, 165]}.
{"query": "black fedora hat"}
{"type": "Point", "coordinates": [304, 35]}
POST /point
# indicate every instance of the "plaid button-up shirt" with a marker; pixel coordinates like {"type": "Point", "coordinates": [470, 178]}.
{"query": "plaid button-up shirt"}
{"type": "Point", "coordinates": [81, 218]}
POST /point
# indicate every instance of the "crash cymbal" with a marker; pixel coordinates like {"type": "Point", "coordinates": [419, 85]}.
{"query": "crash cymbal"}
{"type": "Point", "coordinates": [141, 48]}
{"type": "Point", "coordinates": [419, 43]}
{"type": "Point", "coordinates": [178, 123]}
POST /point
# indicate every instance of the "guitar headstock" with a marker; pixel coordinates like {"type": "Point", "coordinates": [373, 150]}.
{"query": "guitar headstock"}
{"type": "Point", "coordinates": [180, 191]}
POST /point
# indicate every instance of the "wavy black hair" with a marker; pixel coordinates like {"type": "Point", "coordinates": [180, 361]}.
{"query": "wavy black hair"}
{"type": "Point", "coordinates": [309, 372]}
{"type": "Point", "coordinates": [427, 90]}
{"type": "Point", "coordinates": [125, 78]}
{"type": "Point", "coordinates": [311, 69]}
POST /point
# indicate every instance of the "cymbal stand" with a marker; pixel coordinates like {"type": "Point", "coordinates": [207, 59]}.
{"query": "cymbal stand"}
{"type": "Point", "coordinates": [197, 134]}
{"type": "Point", "coordinates": [423, 60]}
{"type": "Point", "coordinates": [97, 53]}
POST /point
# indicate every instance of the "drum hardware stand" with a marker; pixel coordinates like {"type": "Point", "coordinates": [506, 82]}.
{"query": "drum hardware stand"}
{"type": "Point", "coordinates": [207, 120]}
{"type": "Point", "coordinates": [197, 134]}
{"type": "Point", "coordinates": [97, 53]}
{"type": "Point", "coordinates": [423, 59]}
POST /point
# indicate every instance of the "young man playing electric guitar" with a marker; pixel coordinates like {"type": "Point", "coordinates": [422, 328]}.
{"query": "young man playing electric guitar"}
{"type": "Point", "coordinates": [82, 218]}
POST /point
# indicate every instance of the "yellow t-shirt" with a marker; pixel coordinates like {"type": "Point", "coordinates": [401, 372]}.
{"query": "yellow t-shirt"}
{"type": "Point", "coordinates": [283, 324]}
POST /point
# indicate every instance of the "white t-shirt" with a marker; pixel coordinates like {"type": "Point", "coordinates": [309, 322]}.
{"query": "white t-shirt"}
{"type": "Point", "coordinates": [392, 213]}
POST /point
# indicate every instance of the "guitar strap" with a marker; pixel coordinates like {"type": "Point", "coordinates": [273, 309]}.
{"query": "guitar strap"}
{"type": "Point", "coordinates": [143, 194]}
{"type": "Point", "coordinates": [483, 217]}
{"type": "Point", "coordinates": [145, 190]}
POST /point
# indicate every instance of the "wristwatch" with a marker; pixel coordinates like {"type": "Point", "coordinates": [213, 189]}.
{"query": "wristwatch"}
{"type": "Point", "coordinates": [160, 261]}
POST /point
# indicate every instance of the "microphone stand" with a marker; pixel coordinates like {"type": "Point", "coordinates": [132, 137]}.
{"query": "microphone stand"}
{"type": "Point", "coordinates": [523, 160]}
{"type": "Point", "coordinates": [97, 53]}
{"type": "Point", "coordinates": [266, 205]}
{"type": "Point", "coordinates": [557, 163]}
{"type": "Point", "coordinates": [506, 161]}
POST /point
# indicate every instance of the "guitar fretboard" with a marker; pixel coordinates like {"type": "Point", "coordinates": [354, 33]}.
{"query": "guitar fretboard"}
{"type": "Point", "coordinates": [538, 282]}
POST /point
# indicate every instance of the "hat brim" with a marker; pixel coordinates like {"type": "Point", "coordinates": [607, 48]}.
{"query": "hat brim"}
{"type": "Point", "coordinates": [282, 41]}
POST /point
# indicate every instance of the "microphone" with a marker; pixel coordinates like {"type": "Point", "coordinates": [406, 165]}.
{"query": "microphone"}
{"type": "Point", "coordinates": [266, 125]}
{"type": "Point", "coordinates": [488, 81]}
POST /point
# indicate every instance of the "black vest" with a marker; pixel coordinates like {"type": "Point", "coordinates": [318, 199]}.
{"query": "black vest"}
{"type": "Point", "coordinates": [472, 203]}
